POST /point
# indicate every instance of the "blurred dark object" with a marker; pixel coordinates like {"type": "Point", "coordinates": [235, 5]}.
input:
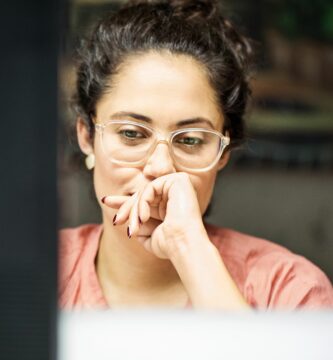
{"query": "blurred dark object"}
{"type": "Point", "coordinates": [302, 59]}
{"type": "Point", "coordinates": [28, 267]}
{"type": "Point", "coordinates": [84, 15]}
{"type": "Point", "coordinates": [290, 125]}
{"type": "Point", "coordinates": [299, 38]}
{"type": "Point", "coordinates": [287, 151]}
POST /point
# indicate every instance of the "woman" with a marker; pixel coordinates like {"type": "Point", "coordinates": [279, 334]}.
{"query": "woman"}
{"type": "Point", "coordinates": [161, 92]}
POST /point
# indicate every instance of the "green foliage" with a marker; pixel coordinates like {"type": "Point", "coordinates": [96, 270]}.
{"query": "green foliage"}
{"type": "Point", "coordinates": [301, 18]}
{"type": "Point", "coordinates": [327, 23]}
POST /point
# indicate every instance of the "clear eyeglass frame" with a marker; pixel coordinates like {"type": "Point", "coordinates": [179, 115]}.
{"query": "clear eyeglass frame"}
{"type": "Point", "coordinates": [224, 142]}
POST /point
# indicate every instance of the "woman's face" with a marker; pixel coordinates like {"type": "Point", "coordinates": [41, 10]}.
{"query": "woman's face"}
{"type": "Point", "coordinates": [166, 89]}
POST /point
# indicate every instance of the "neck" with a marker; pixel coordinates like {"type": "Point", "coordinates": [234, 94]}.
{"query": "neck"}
{"type": "Point", "coordinates": [125, 264]}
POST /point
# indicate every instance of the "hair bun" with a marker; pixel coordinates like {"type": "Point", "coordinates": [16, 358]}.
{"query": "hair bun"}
{"type": "Point", "coordinates": [195, 9]}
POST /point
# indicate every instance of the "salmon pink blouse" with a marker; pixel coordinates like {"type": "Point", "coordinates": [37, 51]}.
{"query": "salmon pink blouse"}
{"type": "Point", "coordinates": [268, 275]}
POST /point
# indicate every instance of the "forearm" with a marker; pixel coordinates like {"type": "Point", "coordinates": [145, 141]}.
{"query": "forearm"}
{"type": "Point", "coordinates": [206, 278]}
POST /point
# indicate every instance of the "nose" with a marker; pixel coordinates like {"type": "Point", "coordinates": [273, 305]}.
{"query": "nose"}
{"type": "Point", "coordinates": [159, 162]}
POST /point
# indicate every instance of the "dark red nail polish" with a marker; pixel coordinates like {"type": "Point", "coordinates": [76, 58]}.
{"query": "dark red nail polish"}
{"type": "Point", "coordinates": [140, 221]}
{"type": "Point", "coordinates": [128, 232]}
{"type": "Point", "coordinates": [103, 199]}
{"type": "Point", "coordinates": [114, 219]}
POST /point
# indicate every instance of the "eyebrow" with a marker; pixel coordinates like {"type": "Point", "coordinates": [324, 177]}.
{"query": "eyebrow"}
{"type": "Point", "coordinates": [195, 120]}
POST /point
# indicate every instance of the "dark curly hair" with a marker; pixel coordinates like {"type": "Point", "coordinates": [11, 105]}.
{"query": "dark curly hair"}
{"type": "Point", "coordinates": [188, 27]}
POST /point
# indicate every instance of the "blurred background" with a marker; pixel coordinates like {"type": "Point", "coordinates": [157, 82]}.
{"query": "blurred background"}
{"type": "Point", "coordinates": [279, 185]}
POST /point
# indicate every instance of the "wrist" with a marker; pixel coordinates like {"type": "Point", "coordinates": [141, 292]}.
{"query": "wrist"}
{"type": "Point", "coordinates": [187, 241]}
{"type": "Point", "coordinates": [206, 279]}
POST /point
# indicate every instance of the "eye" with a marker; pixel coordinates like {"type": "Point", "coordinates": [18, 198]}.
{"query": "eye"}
{"type": "Point", "coordinates": [190, 140]}
{"type": "Point", "coordinates": [131, 134]}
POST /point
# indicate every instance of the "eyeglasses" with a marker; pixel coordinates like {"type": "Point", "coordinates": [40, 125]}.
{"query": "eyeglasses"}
{"type": "Point", "coordinates": [131, 143]}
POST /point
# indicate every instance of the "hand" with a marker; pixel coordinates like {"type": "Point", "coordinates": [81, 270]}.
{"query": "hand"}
{"type": "Point", "coordinates": [164, 216]}
{"type": "Point", "coordinates": [171, 228]}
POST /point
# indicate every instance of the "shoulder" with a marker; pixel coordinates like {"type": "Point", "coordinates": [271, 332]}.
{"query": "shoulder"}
{"type": "Point", "coordinates": [73, 243]}
{"type": "Point", "coordinates": [289, 280]}
{"type": "Point", "coordinates": [242, 249]}
{"type": "Point", "coordinates": [269, 275]}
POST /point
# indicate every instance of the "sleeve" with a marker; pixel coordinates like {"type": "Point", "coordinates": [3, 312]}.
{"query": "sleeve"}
{"type": "Point", "coordinates": [287, 281]}
{"type": "Point", "coordinates": [69, 250]}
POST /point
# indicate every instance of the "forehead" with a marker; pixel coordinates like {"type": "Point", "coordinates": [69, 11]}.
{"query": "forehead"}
{"type": "Point", "coordinates": [166, 88]}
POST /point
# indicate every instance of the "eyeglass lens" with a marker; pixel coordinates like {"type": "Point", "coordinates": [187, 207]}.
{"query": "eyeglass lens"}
{"type": "Point", "coordinates": [131, 143]}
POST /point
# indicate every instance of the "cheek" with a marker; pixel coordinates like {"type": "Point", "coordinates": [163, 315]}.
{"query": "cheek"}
{"type": "Point", "coordinates": [110, 179]}
{"type": "Point", "coordinates": [204, 185]}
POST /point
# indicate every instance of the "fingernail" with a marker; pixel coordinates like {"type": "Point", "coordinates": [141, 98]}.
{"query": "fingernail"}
{"type": "Point", "coordinates": [128, 232]}
{"type": "Point", "coordinates": [140, 221]}
{"type": "Point", "coordinates": [114, 219]}
{"type": "Point", "coordinates": [103, 199]}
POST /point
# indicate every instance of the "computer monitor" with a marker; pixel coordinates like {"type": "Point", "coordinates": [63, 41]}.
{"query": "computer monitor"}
{"type": "Point", "coordinates": [186, 334]}
{"type": "Point", "coordinates": [29, 39]}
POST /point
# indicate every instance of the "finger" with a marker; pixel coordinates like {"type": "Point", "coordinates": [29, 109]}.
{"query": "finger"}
{"type": "Point", "coordinates": [114, 202]}
{"type": "Point", "coordinates": [151, 202]}
{"type": "Point", "coordinates": [162, 209]}
{"type": "Point", "coordinates": [150, 210]}
{"type": "Point", "coordinates": [146, 232]}
{"type": "Point", "coordinates": [134, 224]}
{"type": "Point", "coordinates": [124, 211]}
{"type": "Point", "coordinates": [147, 245]}
{"type": "Point", "coordinates": [153, 244]}
{"type": "Point", "coordinates": [142, 210]}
